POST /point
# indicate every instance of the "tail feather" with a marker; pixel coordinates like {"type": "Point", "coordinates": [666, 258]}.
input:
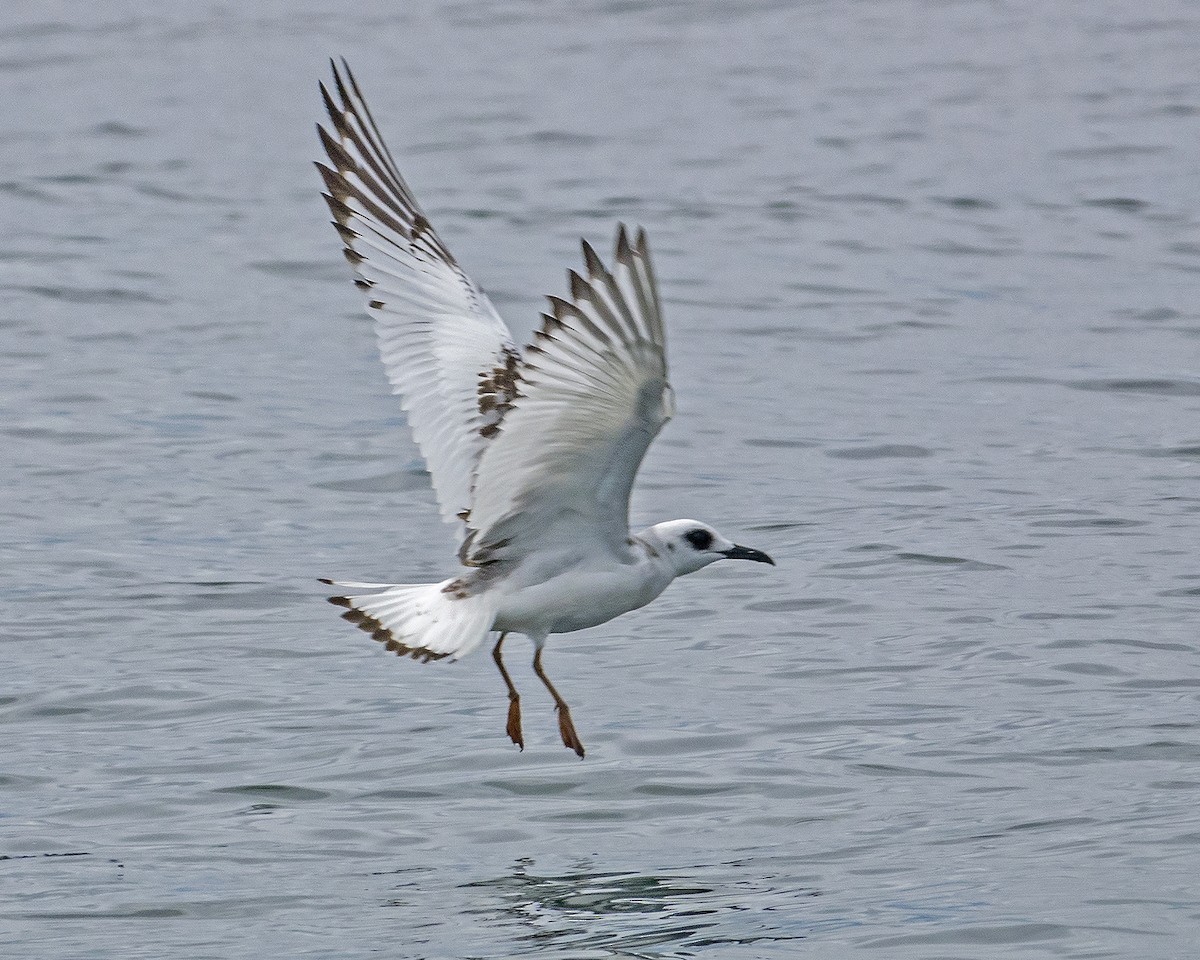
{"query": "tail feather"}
{"type": "Point", "coordinates": [422, 620]}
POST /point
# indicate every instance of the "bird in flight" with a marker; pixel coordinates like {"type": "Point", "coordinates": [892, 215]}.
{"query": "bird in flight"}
{"type": "Point", "coordinates": [532, 452]}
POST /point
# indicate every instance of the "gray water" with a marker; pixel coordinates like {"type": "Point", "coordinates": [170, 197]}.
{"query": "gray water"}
{"type": "Point", "coordinates": [932, 274]}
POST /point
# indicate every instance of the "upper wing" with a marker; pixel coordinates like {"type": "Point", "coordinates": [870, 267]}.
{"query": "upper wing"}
{"type": "Point", "coordinates": [592, 394]}
{"type": "Point", "coordinates": [447, 352]}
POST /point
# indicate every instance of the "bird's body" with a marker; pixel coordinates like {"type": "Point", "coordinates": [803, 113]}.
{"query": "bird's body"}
{"type": "Point", "coordinates": [533, 452]}
{"type": "Point", "coordinates": [574, 589]}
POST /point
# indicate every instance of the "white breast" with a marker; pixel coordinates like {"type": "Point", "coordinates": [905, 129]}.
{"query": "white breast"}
{"type": "Point", "coordinates": [574, 596]}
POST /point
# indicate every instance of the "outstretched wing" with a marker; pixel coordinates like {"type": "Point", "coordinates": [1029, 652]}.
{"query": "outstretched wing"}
{"type": "Point", "coordinates": [447, 352]}
{"type": "Point", "coordinates": [592, 393]}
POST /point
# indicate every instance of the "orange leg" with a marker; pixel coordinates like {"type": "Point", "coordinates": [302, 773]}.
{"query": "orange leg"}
{"type": "Point", "coordinates": [569, 737]}
{"type": "Point", "coordinates": [513, 729]}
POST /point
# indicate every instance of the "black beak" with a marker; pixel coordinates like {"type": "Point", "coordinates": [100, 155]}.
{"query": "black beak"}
{"type": "Point", "coordinates": [748, 553]}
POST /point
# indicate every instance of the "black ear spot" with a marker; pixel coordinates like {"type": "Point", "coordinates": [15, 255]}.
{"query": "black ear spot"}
{"type": "Point", "coordinates": [700, 539]}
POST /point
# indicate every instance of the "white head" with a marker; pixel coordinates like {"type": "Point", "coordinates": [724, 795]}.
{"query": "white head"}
{"type": "Point", "coordinates": [689, 545]}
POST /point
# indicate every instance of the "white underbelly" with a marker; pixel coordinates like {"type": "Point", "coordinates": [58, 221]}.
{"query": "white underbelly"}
{"type": "Point", "coordinates": [577, 599]}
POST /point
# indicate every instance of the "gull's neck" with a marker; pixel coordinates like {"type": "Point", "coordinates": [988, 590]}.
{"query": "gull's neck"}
{"type": "Point", "coordinates": [647, 548]}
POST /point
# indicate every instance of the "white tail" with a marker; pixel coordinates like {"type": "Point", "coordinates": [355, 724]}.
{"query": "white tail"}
{"type": "Point", "coordinates": [425, 621]}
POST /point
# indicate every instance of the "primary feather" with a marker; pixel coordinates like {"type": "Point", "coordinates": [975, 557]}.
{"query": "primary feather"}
{"type": "Point", "coordinates": [593, 395]}
{"type": "Point", "coordinates": [439, 335]}
{"type": "Point", "coordinates": [523, 447]}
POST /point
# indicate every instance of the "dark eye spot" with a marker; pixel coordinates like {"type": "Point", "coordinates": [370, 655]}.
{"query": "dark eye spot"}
{"type": "Point", "coordinates": [700, 539]}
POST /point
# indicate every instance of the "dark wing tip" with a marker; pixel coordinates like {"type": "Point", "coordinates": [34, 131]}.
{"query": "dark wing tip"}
{"type": "Point", "coordinates": [352, 81]}
{"type": "Point", "coordinates": [595, 266]}
{"type": "Point", "coordinates": [579, 286]}
{"type": "Point", "coordinates": [339, 83]}
{"type": "Point", "coordinates": [333, 180]}
{"type": "Point", "coordinates": [331, 145]}
{"type": "Point", "coordinates": [643, 242]}
{"type": "Point", "coordinates": [623, 249]}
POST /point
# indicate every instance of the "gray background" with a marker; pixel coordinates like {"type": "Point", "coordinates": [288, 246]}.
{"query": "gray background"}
{"type": "Point", "coordinates": [931, 279]}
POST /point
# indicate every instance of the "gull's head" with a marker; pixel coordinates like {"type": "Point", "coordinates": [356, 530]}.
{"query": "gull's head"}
{"type": "Point", "coordinates": [689, 545]}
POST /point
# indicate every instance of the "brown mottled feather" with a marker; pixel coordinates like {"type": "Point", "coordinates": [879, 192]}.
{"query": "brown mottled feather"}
{"type": "Point", "coordinates": [368, 624]}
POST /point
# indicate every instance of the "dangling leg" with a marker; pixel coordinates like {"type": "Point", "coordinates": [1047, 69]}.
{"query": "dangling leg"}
{"type": "Point", "coordinates": [514, 699]}
{"type": "Point", "coordinates": [565, 726]}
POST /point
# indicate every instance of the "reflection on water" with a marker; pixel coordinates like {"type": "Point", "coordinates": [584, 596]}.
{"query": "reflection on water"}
{"type": "Point", "coordinates": [629, 914]}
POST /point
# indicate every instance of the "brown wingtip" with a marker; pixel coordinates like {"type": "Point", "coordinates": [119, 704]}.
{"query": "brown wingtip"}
{"type": "Point", "coordinates": [622, 242]}
{"type": "Point", "coordinates": [643, 242]}
{"type": "Point", "coordinates": [341, 601]}
{"type": "Point", "coordinates": [330, 107]}
{"type": "Point", "coordinates": [595, 266]}
{"type": "Point", "coordinates": [333, 180]}
{"type": "Point", "coordinates": [335, 151]}
{"type": "Point", "coordinates": [579, 286]}
{"type": "Point", "coordinates": [348, 235]}
{"type": "Point", "coordinates": [325, 580]}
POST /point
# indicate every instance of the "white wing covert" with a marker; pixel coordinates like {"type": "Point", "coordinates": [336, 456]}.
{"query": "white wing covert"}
{"type": "Point", "coordinates": [591, 395]}
{"type": "Point", "coordinates": [446, 350]}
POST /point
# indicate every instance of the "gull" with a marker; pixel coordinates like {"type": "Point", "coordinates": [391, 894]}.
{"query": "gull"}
{"type": "Point", "coordinates": [532, 452]}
